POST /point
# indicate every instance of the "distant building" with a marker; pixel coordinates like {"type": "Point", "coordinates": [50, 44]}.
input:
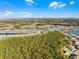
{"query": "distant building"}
{"type": "Point", "coordinates": [71, 38]}
{"type": "Point", "coordinates": [71, 48]}
{"type": "Point", "coordinates": [67, 51]}
{"type": "Point", "coordinates": [76, 45]}
{"type": "Point", "coordinates": [73, 56]}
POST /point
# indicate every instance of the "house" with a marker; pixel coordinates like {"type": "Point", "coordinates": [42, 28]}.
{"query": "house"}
{"type": "Point", "coordinates": [71, 48]}
{"type": "Point", "coordinates": [76, 45]}
{"type": "Point", "coordinates": [73, 39]}
{"type": "Point", "coordinates": [73, 56]}
{"type": "Point", "coordinates": [67, 51]}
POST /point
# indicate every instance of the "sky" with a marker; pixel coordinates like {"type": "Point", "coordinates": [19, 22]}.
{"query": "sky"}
{"type": "Point", "coordinates": [39, 8]}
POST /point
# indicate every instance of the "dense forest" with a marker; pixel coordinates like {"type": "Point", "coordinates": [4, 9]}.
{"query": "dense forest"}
{"type": "Point", "coordinates": [45, 46]}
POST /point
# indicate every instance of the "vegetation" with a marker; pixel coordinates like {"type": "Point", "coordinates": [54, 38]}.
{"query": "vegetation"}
{"type": "Point", "coordinates": [19, 23]}
{"type": "Point", "coordinates": [45, 46]}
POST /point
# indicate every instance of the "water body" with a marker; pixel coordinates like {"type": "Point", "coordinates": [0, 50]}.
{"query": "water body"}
{"type": "Point", "coordinates": [73, 29]}
{"type": "Point", "coordinates": [75, 32]}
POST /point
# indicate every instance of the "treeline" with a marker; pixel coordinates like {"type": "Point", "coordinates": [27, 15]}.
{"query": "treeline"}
{"type": "Point", "coordinates": [43, 21]}
{"type": "Point", "coordinates": [45, 46]}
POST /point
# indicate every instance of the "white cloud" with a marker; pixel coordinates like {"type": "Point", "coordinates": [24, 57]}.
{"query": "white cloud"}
{"type": "Point", "coordinates": [8, 13]}
{"type": "Point", "coordinates": [25, 14]}
{"type": "Point", "coordinates": [72, 2]}
{"type": "Point", "coordinates": [62, 5]}
{"type": "Point", "coordinates": [56, 5]}
{"type": "Point", "coordinates": [30, 2]}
